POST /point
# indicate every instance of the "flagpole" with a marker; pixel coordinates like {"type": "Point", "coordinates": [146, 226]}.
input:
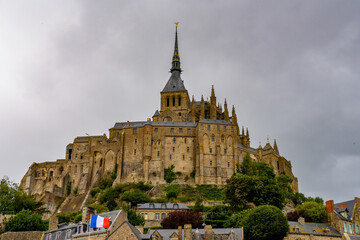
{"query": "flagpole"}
{"type": "Point", "coordinates": [89, 226]}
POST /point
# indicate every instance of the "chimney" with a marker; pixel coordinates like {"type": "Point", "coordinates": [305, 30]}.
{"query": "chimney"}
{"type": "Point", "coordinates": [187, 232]}
{"type": "Point", "coordinates": [180, 233]}
{"type": "Point", "coordinates": [208, 232]}
{"type": "Point", "coordinates": [301, 220]}
{"type": "Point", "coordinates": [330, 206]}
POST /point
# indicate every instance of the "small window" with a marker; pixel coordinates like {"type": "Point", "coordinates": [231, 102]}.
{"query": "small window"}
{"type": "Point", "coordinates": [117, 134]}
{"type": "Point", "coordinates": [68, 234]}
{"type": "Point", "coordinates": [176, 206]}
{"type": "Point", "coordinates": [210, 163]}
{"type": "Point", "coordinates": [76, 156]}
{"type": "Point", "coordinates": [157, 216]}
{"type": "Point", "coordinates": [225, 128]}
{"type": "Point", "coordinates": [81, 156]}
{"type": "Point", "coordinates": [183, 157]}
{"type": "Point", "coordinates": [188, 149]}
{"type": "Point", "coordinates": [51, 173]}
{"type": "Point", "coordinates": [171, 130]}
{"type": "Point", "coordinates": [228, 164]}
{"type": "Point", "coordinates": [135, 140]}
{"type": "Point", "coordinates": [185, 140]}
{"type": "Point", "coordinates": [174, 140]}
{"type": "Point", "coordinates": [209, 127]}
{"type": "Point", "coordinates": [213, 138]}
{"type": "Point", "coordinates": [179, 114]}
{"type": "Point", "coordinates": [189, 131]}
{"type": "Point", "coordinates": [225, 151]}
{"type": "Point", "coordinates": [170, 156]}
{"type": "Point", "coordinates": [222, 138]}
{"type": "Point", "coordinates": [173, 149]}
{"type": "Point", "coordinates": [134, 151]}
{"type": "Point", "coordinates": [173, 101]}
{"type": "Point", "coordinates": [202, 126]}
{"type": "Point", "coordinates": [57, 236]}
{"type": "Point", "coordinates": [180, 130]}
{"type": "Point", "coordinates": [158, 153]}
{"type": "Point", "coordinates": [79, 229]}
{"type": "Point", "coordinates": [179, 100]}
{"type": "Point", "coordinates": [134, 130]}
{"type": "Point", "coordinates": [232, 129]}
{"type": "Point", "coordinates": [146, 216]}
{"type": "Point", "coordinates": [156, 130]}
{"type": "Point", "coordinates": [159, 142]}
{"type": "Point", "coordinates": [210, 150]}
{"type": "Point", "coordinates": [167, 102]}
{"type": "Point", "coordinates": [218, 128]}
{"type": "Point", "coordinates": [163, 215]}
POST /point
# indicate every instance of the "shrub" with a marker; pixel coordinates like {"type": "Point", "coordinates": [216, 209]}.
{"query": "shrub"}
{"type": "Point", "coordinates": [105, 183]}
{"type": "Point", "coordinates": [169, 174]}
{"type": "Point", "coordinates": [73, 217]}
{"type": "Point", "coordinates": [265, 223]}
{"type": "Point", "coordinates": [134, 197]}
{"type": "Point", "coordinates": [25, 220]}
{"type": "Point", "coordinates": [94, 191]}
{"type": "Point", "coordinates": [133, 217]}
{"type": "Point", "coordinates": [192, 174]}
{"type": "Point", "coordinates": [314, 212]}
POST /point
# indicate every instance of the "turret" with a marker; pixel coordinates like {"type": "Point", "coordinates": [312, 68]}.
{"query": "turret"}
{"type": "Point", "coordinates": [226, 112]}
{"type": "Point", "coordinates": [212, 104]}
{"type": "Point", "coordinates": [202, 108]}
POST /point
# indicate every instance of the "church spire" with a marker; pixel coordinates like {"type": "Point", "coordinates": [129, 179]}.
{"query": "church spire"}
{"type": "Point", "coordinates": [175, 66]}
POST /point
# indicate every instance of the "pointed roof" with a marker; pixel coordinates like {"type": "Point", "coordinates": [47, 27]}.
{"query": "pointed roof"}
{"type": "Point", "coordinates": [175, 83]}
{"type": "Point", "coordinates": [276, 147]}
{"type": "Point", "coordinates": [156, 113]}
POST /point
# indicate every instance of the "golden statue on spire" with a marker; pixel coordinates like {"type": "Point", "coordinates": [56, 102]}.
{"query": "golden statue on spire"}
{"type": "Point", "coordinates": [176, 24]}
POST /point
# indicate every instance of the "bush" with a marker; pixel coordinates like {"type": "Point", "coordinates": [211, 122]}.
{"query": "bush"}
{"type": "Point", "coordinates": [134, 218]}
{"type": "Point", "coordinates": [73, 217]}
{"type": "Point", "coordinates": [134, 197]}
{"type": "Point", "coordinates": [25, 220]}
{"type": "Point", "coordinates": [314, 212]}
{"type": "Point", "coordinates": [68, 188]}
{"type": "Point", "coordinates": [105, 183]}
{"type": "Point", "coordinates": [169, 174]}
{"type": "Point", "coordinates": [94, 191]}
{"type": "Point", "coordinates": [192, 174]}
{"type": "Point", "coordinates": [265, 223]}
{"type": "Point", "coordinates": [235, 221]}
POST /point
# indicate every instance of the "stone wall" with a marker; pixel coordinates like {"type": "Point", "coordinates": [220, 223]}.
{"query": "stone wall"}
{"type": "Point", "coordinates": [21, 235]}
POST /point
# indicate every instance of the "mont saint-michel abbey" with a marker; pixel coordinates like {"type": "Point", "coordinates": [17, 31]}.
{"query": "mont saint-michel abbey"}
{"type": "Point", "coordinates": [200, 138]}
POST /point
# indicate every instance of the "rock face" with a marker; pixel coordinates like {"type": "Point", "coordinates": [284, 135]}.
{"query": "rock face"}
{"type": "Point", "coordinates": [199, 138]}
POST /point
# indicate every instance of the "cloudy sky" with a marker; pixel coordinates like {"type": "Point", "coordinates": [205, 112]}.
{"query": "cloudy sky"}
{"type": "Point", "coordinates": [291, 68]}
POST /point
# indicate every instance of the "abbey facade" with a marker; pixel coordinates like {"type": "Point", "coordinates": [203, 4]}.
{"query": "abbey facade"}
{"type": "Point", "coordinates": [201, 139]}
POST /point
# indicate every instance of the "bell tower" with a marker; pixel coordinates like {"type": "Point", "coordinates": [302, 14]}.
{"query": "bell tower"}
{"type": "Point", "coordinates": [174, 96]}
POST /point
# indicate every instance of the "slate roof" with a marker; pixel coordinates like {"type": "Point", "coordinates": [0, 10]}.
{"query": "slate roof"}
{"type": "Point", "coordinates": [61, 232]}
{"type": "Point", "coordinates": [352, 237]}
{"type": "Point", "coordinates": [158, 124]}
{"type": "Point", "coordinates": [175, 83]}
{"type": "Point", "coordinates": [349, 207]}
{"type": "Point", "coordinates": [156, 113]}
{"type": "Point", "coordinates": [244, 147]}
{"type": "Point", "coordinates": [166, 233]}
{"type": "Point", "coordinates": [181, 206]}
{"type": "Point", "coordinates": [216, 121]}
{"type": "Point", "coordinates": [314, 228]}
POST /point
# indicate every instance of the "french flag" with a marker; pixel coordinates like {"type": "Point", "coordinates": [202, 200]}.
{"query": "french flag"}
{"type": "Point", "coordinates": [98, 222]}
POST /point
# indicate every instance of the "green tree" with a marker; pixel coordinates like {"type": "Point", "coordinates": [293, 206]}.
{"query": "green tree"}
{"type": "Point", "coordinates": [7, 194]}
{"type": "Point", "coordinates": [314, 212]}
{"type": "Point", "coordinates": [134, 218]}
{"type": "Point", "coordinates": [246, 166]}
{"type": "Point", "coordinates": [169, 174]}
{"type": "Point", "coordinates": [25, 220]}
{"type": "Point", "coordinates": [235, 221]}
{"type": "Point", "coordinates": [217, 215]}
{"type": "Point", "coordinates": [134, 196]}
{"type": "Point", "coordinates": [265, 223]}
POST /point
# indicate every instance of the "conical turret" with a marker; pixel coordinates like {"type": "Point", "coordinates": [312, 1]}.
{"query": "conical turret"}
{"type": "Point", "coordinates": [276, 147]}
{"type": "Point", "coordinates": [226, 112]}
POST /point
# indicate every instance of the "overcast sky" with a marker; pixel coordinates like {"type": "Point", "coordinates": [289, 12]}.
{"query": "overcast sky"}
{"type": "Point", "coordinates": [291, 68]}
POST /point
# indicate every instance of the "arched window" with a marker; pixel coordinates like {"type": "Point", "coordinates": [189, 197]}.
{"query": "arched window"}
{"type": "Point", "coordinates": [213, 138]}
{"type": "Point", "coordinates": [222, 138]}
{"type": "Point", "coordinates": [173, 101]}
{"type": "Point", "coordinates": [179, 100]}
{"type": "Point", "coordinates": [167, 101]}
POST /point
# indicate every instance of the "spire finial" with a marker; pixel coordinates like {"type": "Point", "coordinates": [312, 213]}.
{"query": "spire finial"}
{"type": "Point", "coordinates": [175, 66]}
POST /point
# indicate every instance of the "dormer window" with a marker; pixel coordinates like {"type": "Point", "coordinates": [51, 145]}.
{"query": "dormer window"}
{"type": "Point", "coordinates": [163, 205]}
{"type": "Point", "coordinates": [176, 206]}
{"type": "Point", "coordinates": [152, 205]}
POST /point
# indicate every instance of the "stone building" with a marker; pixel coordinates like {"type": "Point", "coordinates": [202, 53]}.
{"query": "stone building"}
{"type": "Point", "coordinates": [200, 138]}
{"type": "Point", "coordinates": [154, 213]}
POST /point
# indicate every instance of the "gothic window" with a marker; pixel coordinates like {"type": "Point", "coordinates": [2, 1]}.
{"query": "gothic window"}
{"type": "Point", "coordinates": [210, 150]}
{"type": "Point", "coordinates": [225, 151]}
{"type": "Point", "coordinates": [210, 163]}
{"type": "Point", "coordinates": [158, 153]}
{"type": "Point", "coordinates": [135, 140]}
{"type": "Point", "coordinates": [222, 138]}
{"type": "Point", "coordinates": [173, 101]}
{"type": "Point", "coordinates": [134, 151]}
{"type": "Point", "coordinates": [179, 100]}
{"type": "Point", "coordinates": [180, 130]}
{"type": "Point", "coordinates": [171, 130]}
{"type": "Point", "coordinates": [135, 131]}
{"type": "Point", "coordinates": [76, 156]}
{"type": "Point", "coordinates": [174, 140]}
{"type": "Point", "coordinates": [51, 173]}
{"type": "Point", "coordinates": [278, 166]}
{"type": "Point", "coordinates": [167, 102]}
{"type": "Point", "coordinates": [158, 142]}
{"type": "Point", "coordinates": [179, 114]}
{"type": "Point", "coordinates": [101, 161]}
{"type": "Point", "coordinates": [213, 138]}
{"type": "Point", "coordinates": [187, 149]}
{"type": "Point", "coordinates": [173, 149]}
{"type": "Point", "coordinates": [81, 156]}
{"type": "Point", "coordinates": [156, 130]}
{"type": "Point", "coordinates": [207, 114]}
